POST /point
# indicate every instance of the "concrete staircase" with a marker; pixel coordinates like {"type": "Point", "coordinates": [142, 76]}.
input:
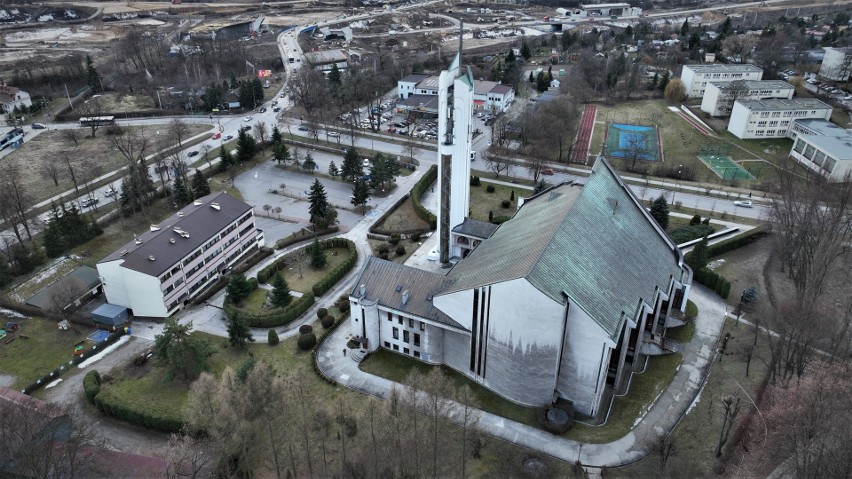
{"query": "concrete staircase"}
{"type": "Point", "coordinates": [358, 355]}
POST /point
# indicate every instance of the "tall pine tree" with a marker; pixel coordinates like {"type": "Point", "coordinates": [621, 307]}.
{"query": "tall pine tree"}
{"type": "Point", "coordinates": [200, 187]}
{"type": "Point", "coordinates": [660, 211]}
{"type": "Point", "coordinates": [182, 194]}
{"type": "Point", "coordinates": [319, 206]}
{"type": "Point", "coordinates": [280, 295]}
{"type": "Point", "coordinates": [93, 78]}
{"type": "Point", "coordinates": [351, 168]}
{"type": "Point", "coordinates": [318, 259]}
{"type": "Point", "coordinates": [360, 195]}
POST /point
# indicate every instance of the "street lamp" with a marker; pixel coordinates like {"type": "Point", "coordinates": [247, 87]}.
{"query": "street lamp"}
{"type": "Point", "coordinates": [677, 183]}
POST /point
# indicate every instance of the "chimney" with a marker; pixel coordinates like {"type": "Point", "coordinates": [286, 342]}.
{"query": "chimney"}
{"type": "Point", "coordinates": [362, 290]}
{"type": "Point", "coordinates": [405, 296]}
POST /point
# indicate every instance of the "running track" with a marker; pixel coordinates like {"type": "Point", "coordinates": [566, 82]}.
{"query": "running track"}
{"type": "Point", "coordinates": [584, 134]}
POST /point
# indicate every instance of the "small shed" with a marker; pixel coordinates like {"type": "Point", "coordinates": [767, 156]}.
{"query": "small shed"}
{"type": "Point", "coordinates": [110, 315]}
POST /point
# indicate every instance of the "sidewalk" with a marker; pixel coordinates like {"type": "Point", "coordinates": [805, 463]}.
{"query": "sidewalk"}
{"type": "Point", "coordinates": [662, 417]}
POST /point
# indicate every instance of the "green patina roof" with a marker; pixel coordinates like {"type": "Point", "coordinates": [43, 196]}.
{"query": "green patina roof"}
{"type": "Point", "coordinates": [595, 242]}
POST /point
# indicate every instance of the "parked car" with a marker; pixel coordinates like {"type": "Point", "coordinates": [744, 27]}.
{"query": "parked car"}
{"type": "Point", "coordinates": [276, 109]}
{"type": "Point", "coordinates": [263, 110]}
{"type": "Point", "coordinates": [303, 128]}
{"type": "Point", "coordinates": [110, 193]}
{"type": "Point", "coordinates": [246, 127]}
{"type": "Point", "coordinates": [547, 171]}
{"type": "Point", "coordinates": [229, 137]}
{"type": "Point", "coordinates": [39, 126]}
{"type": "Point", "coordinates": [217, 136]}
{"type": "Point", "coordinates": [743, 203]}
{"type": "Point", "coordinates": [192, 153]}
{"type": "Point", "coordinates": [334, 134]}
{"type": "Point", "coordinates": [366, 163]}
{"type": "Point", "coordinates": [90, 201]}
{"type": "Point", "coordinates": [247, 119]}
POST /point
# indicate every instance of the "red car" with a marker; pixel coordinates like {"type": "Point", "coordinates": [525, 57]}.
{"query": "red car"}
{"type": "Point", "coordinates": [217, 136]}
{"type": "Point", "coordinates": [547, 171]}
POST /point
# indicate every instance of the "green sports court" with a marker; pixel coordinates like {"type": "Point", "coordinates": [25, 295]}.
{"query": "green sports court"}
{"type": "Point", "coordinates": [725, 167]}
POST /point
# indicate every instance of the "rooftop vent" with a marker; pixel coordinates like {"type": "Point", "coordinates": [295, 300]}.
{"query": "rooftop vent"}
{"type": "Point", "coordinates": [405, 296]}
{"type": "Point", "coordinates": [197, 203]}
{"type": "Point", "coordinates": [177, 230]}
{"type": "Point", "coordinates": [215, 206]}
{"type": "Point", "coordinates": [180, 214]}
{"type": "Point", "coordinates": [398, 288]}
{"type": "Point", "coordinates": [124, 253]}
{"type": "Point", "coordinates": [184, 234]}
{"type": "Point", "coordinates": [151, 258]}
{"type": "Point", "coordinates": [362, 290]}
{"type": "Point", "coordinates": [155, 227]}
{"type": "Point", "coordinates": [172, 240]}
{"type": "Point", "coordinates": [137, 241]}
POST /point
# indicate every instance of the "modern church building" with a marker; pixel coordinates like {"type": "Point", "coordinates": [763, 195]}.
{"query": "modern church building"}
{"type": "Point", "coordinates": [558, 302]}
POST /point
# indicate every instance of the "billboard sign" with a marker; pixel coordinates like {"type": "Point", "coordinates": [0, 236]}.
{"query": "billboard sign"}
{"type": "Point", "coordinates": [264, 73]}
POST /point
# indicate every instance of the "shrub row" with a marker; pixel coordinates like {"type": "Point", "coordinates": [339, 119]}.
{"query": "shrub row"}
{"type": "Point", "coordinates": [275, 317]}
{"type": "Point", "coordinates": [65, 367]}
{"type": "Point", "coordinates": [417, 193]}
{"type": "Point", "coordinates": [714, 281]}
{"type": "Point", "coordinates": [239, 269]}
{"type": "Point", "coordinates": [335, 275]}
{"type": "Point", "coordinates": [112, 406]}
{"type": "Point", "coordinates": [739, 240]}
{"type": "Point", "coordinates": [92, 385]}
{"type": "Point", "coordinates": [688, 233]}
{"type": "Point", "coordinates": [303, 235]}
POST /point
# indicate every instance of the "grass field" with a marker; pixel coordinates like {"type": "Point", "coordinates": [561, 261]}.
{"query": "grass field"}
{"type": "Point", "coordinates": [410, 248]}
{"type": "Point", "coordinates": [45, 348]}
{"type": "Point", "coordinates": [303, 284]}
{"type": "Point", "coordinates": [681, 141]}
{"type": "Point", "coordinates": [91, 157]}
{"type": "Point", "coordinates": [397, 367]}
{"type": "Point", "coordinates": [481, 201]}
{"type": "Point", "coordinates": [696, 435]}
{"type": "Point", "coordinates": [403, 218]}
{"type": "Point", "coordinates": [626, 410]}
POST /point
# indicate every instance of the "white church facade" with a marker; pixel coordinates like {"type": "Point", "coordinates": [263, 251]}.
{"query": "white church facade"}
{"type": "Point", "coordinates": [557, 302]}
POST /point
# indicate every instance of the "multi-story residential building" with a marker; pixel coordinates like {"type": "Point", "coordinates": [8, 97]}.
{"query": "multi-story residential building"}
{"type": "Point", "coordinates": [836, 64]}
{"type": "Point", "coordinates": [719, 97]}
{"type": "Point", "coordinates": [823, 147]}
{"type": "Point", "coordinates": [163, 269]}
{"type": "Point", "coordinates": [696, 77]}
{"type": "Point", "coordinates": [488, 95]}
{"type": "Point", "coordinates": [773, 118]}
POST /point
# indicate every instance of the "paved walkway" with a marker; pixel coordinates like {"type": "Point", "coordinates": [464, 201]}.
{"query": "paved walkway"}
{"type": "Point", "coordinates": [662, 417]}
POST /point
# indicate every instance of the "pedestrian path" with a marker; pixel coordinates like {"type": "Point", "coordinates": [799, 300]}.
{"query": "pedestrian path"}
{"type": "Point", "coordinates": [661, 418]}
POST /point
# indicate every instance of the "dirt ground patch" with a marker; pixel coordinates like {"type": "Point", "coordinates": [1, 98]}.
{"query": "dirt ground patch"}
{"type": "Point", "coordinates": [402, 219]}
{"type": "Point", "coordinates": [90, 158]}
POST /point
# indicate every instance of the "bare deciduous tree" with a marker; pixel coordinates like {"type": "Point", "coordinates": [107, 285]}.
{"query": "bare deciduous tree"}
{"type": "Point", "coordinates": [51, 170]}
{"type": "Point", "coordinates": [72, 135]}
{"type": "Point", "coordinates": [497, 163]}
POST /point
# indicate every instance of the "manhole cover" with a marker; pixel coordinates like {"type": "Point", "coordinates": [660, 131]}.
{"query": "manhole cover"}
{"type": "Point", "coordinates": [534, 465]}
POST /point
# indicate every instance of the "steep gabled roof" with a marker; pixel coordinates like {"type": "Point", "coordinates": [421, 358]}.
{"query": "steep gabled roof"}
{"type": "Point", "coordinates": [383, 278]}
{"type": "Point", "coordinates": [594, 243]}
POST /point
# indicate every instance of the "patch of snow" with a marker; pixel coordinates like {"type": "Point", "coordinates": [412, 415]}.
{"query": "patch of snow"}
{"type": "Point", "coordinates": [4, 15]}
{"type": "Point", "coordinates": [12, 314]}
{"type": "Point", "coordinates": [646, 408]}
{"type": "Point", "coordinates": [45, 18]}
{"type": "Point", "coordinates": [112, 347]}
{"type": "Point", "coordinates": [70, 14]}
{"type": "Point", "coordinates": [694, 402]}
{"type": "Point", "coordinates": [715, 264]}
{"type": "Point", "coordinates": [54, 383]}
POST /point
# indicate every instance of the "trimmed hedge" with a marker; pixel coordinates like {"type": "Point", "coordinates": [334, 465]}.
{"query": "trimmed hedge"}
{"type": "Point", "coordinates": [302, 236]}
{"type": "Point", "coordinates": [272, 337]}
{"type": "Point", "coordinates": [335, 275]}
{"type": "Point", "coordinates": [714, 281]}
{"type": "Point", "coordinates": [739, 240]}
{"type": "Point", "coordinates": [265, 274]}
{"type": "Point", "coordinates": [307, 341]}
{"type": "Point", "coordinates": [275, 317]}
{"type": "Point", "coordinates": [689, 233]}
{"type": "Point", "coordinates": [417, 193]}
{"type": "Point", "coordinates": [92, 385]}
{"type": "Point", "coordinates": [111, 406]}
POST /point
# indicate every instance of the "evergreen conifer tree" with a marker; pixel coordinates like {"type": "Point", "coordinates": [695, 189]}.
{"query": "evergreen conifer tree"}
{"type": "Point", "coordinates": [660, 211]}
{"type": "Point", "coordinates": [200, 187]}
{"type": "Point", "coordinates": [182, 194]}
{"type": "Point", "coordinates": [351, 168]}
{"type": "Point", "coordinates": [93, 78]}
{"type": "Point", "coordinates": [319, 207]}
{"type": "Point", "coordinates": [318, 259]}
{"type": "Point", "coordinates": [280, 295]}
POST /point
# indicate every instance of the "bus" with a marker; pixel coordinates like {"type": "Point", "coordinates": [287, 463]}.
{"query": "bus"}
{"type": "Point", "coordinates": [97, 120]}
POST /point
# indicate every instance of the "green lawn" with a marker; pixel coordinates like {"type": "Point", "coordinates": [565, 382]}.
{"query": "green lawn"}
{"type": "Point", "coordinates": [482, 202]}
{"type": "Point", "coordinates": [644, 389]}
{"type": "Point", "coordinates": [696, 434]}
{"type": "Point", "coordinates": [310, 276]}
{"type": "Point", "coordinates": [45, 348]}
{"type": "Point", "coordinates": [397, 367]}
{"type": "Point", "coordinates": [255, 301]}
{"type": "Point", "coordinates": [680, 141]}
{"type": "Point", "coordinates": [158, 392]}
{"type": "Point", "coordinates": [403, 218]}
{"type": "Point", "coordinates": [682, 334]}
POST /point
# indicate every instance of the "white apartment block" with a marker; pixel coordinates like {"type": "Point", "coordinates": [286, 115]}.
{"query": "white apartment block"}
{"type": "Point", "coordinates": [836, 64]}
{"type": "Point", "coordinates": [823, 147]}
{"type": "Point", "coordinates": [719, 97]}
{"type": "Point", "coordinates": [163, 269]}
{"type": "Point", "coordinates": [752, 119]}
{"type": "Point", "coordinates": [696, 77]}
